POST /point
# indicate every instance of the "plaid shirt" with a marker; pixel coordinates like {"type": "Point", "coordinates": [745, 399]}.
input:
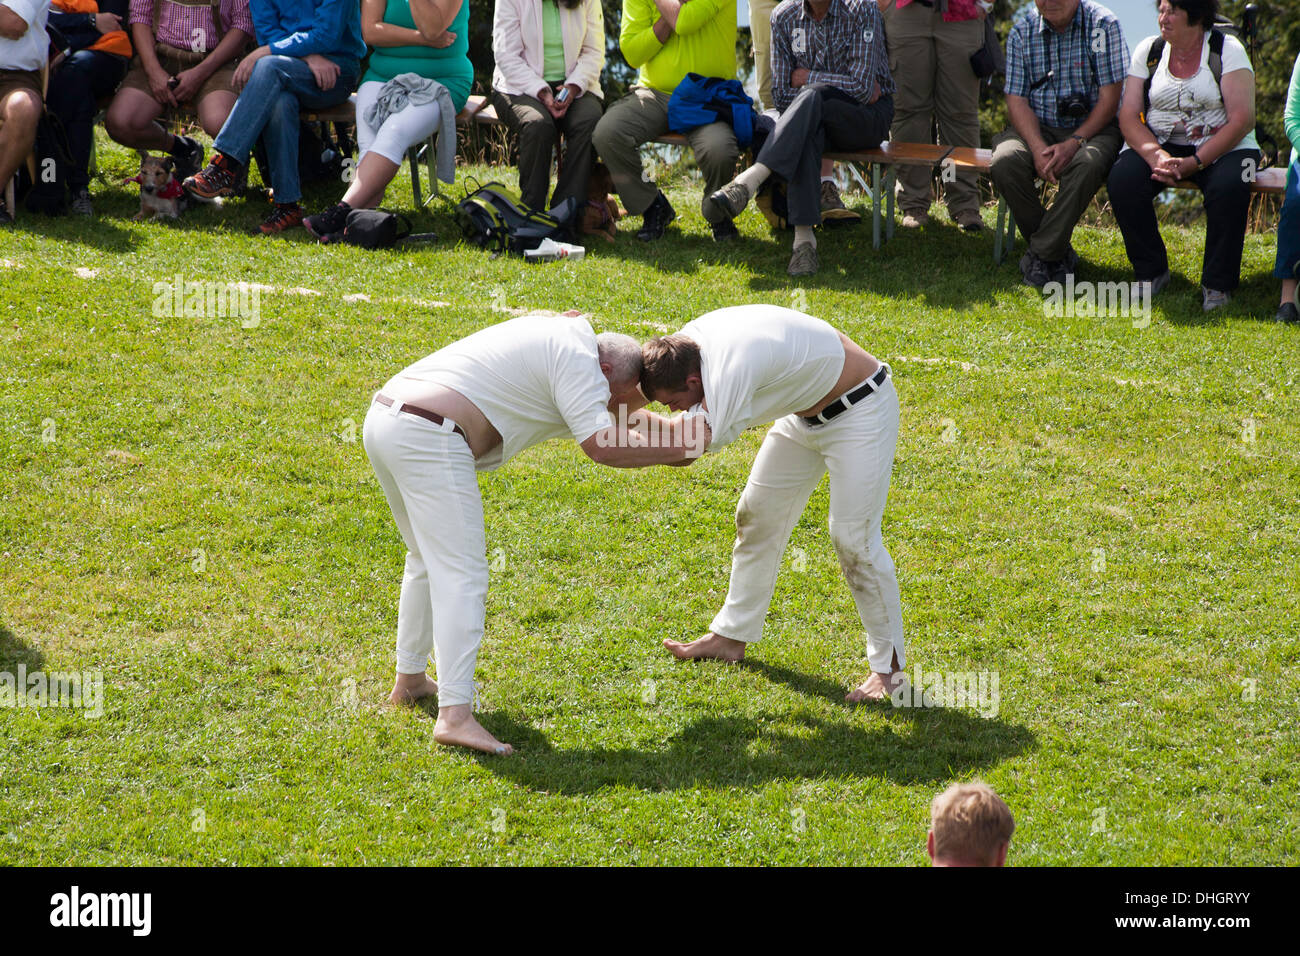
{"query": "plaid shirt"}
{"type": "Point", "coordinates": [845, 49]}
{"type": "Point", "coordinates": [188, 25]}
{"type": "Point", "coordinates": [1090, 54]}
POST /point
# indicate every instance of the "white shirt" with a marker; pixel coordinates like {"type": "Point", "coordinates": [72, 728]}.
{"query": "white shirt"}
{"type": "Point", "coordinates": [534, 378]}
{"type": "Point", "coordinates": [1186, 112]}
{"type": "Point", "coordinates": [28, 52]}
{"type": "Point", "coordinates": [759, 363]}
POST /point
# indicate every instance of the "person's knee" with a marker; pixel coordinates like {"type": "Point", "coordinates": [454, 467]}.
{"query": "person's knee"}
{"type": "Point", "coordinates": [537, 133]}
{"type": "Point", "coordinates": [612, 137]}
{"type": "Point", "coordinates": [22, 108]}
{"type": "Point", "coordinates": [1011, 161]}
{"type": "Point", "coordinates": [717, 153]}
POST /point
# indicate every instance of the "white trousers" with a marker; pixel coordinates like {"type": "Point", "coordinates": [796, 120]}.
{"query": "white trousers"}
{"type": "Point", "coordinates": [857, 448]}
{"type": "Point", "coordinates": [427, 473]}
{"type": "Point", "coordinates": [399, 132]}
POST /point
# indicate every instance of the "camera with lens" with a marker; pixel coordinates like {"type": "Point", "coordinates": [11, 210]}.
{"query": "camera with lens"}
{"type": "Point", "coordinates": [1074, 107]}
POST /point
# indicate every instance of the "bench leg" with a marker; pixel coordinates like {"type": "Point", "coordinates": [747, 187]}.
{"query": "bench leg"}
{"type": "Point", "coordinates": [413, 156]}
{"type": "Point", "coordinates": [876, 213]}
{"type": "Point", "coordinates": [1002, 238]}
{"type": "Point", "coordinates": [889, 202]}
{"type": "Point", "coordinates": [431, 167]}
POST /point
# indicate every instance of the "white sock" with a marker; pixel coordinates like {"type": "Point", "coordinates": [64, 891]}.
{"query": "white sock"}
{"type": "Point", "coordinates": [828, 179]}
{"type": "Point", "coordinates": [753, 177]}
{"type": "Point", "coordinates": [804, 235]}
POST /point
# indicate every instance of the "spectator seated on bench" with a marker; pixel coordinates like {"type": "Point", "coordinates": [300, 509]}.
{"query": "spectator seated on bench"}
{"type": "Point", "coordinates": [309, 57]}
{"type": "Point", "coordinates": [1199, 127]}
{"type": "Point", "coordinates": [93, 53]}
{"type": "Point", "coordinates": [23, 48]}
{"type": "Point", "coordinates": [665, 42]}
{"type": "Point", "coordinates": [1064, 70]}
{"type": "Point", "coordinates": [831, 82]}
{"type": "Point", "coordinates": [544, 48]}
{"type": "Point", "coordinates": [1287, 267]}
{"type": "Point", "coordinates": [418, 80]}
{"type": "Point", "coordinates": [168, 73]}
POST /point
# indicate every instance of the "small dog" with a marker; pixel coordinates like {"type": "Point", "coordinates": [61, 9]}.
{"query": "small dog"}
{"type": "Point", "coordinates": [601, 213]}
{"type": "Point", "coordinates": [161, 195]}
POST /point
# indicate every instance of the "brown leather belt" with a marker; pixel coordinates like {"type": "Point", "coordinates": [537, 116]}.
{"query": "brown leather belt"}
{"type": "Point", "coordinates": [434, 417]}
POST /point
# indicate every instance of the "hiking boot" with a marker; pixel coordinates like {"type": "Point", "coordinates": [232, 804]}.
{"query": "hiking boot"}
{"type": "Point", "coordinates": [325, 225]}
{"type": "Point", "coordinates": [729, 201]}
{"type": "Point", "coordinates": [804, 261]}
{"type": "Point", "coordinates": [724, 231]}
{"type": "Point", "coordinates": [188, 155]}
{"type": "Point", "coordinates": [970, 221]}
{"type": "Point", "coordinates": [656, 219]}
{"type": "Point", "coordinates": [284, 216]}
{"type": "Point", "coordinates": [80, 204]}
{"type": "Point", "coordinates": [1159, 282]}
{"type": "Point", "coordinates": [1035, 271]}
{"type": "Point", "coordinates": [1212, 299]}
{"type": "Point", "coordinates": [1287, 312]}
{"type": "Point", "coordinates": [915, 220]}
{"type": "Point", "coordinates": [832, 208]}
{"type": "Point", "coordinates": [219, 178]}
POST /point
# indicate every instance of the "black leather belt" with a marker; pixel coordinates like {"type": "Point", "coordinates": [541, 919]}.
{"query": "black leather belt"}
{"type": "Point", "coordinates": [434, 417]}
{"type": "Point", "coordinates": [847, 401]}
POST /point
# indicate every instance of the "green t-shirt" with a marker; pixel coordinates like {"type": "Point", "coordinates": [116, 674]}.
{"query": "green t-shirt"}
{"type": "Point", "coordinates": [450, 66]}
{"type": "Point", "coordinates": [552, 43]}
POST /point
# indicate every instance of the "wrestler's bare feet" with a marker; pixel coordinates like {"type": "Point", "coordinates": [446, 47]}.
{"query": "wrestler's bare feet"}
{"type": "Point", "coordinates": [709, 647]}
{"type": "Point", "coordinates": [409, 688]}
{"type": "Point", "coordinates": [877, 687]}
{"type": "Point", "coordinates": [456, 726]}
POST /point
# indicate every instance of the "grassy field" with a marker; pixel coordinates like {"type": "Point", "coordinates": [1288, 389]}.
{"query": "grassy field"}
{"type": "Point", "coordinates": [1101, 512]}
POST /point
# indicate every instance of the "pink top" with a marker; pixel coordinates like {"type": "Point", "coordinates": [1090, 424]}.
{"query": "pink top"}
{"type": "Point", "coordinates": [957, 9]}
{"type": "Point", "coordinates": [189, 26]}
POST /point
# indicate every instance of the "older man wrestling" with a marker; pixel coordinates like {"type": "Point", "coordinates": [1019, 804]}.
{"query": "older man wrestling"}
{"type": "Point", "coordinates": [472, 406]}
{"type": "Point", "coordinates": [835, 410]}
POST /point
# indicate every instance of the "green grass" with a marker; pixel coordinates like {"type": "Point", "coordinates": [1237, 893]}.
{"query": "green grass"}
{"type": "Point", "coordinates": [246, 695]}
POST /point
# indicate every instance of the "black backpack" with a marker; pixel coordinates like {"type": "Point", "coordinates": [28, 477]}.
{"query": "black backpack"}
{"type": "Point", "coordinates": [494, 217]}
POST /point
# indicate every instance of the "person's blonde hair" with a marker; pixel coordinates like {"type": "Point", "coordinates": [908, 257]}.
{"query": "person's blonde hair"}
{"type": "Point", "coordinates": [970, 822]}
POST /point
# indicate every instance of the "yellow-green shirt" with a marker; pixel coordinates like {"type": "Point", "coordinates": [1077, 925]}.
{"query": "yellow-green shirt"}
{"type": "Point", "coordinates": [704, 42]}
{"type": "Point", "coordinates": [552, 43]}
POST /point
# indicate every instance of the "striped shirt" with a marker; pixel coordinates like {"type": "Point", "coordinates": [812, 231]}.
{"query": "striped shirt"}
{"type": "Point", "coordinates": [845, 49]}
{"type": "Point", "coordinates": [1089, 54]}
{"type": "Point", "coordinates": [189, 26]}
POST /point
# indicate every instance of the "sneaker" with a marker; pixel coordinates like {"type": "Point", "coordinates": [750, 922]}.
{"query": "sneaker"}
{"type": "Point", "coordinates": [970, 221]}
{"type": "Point", "coordinates": [729, 202]}
{"type": "Point", "coordinates": [284, 216]}
{"type": "Point", "coordinates": [915, 220]}
{"type": "Point", "coordinates": [656, 219]}
{"type": "Point", "coordinates": [80, 204]}
{"type": "Point", "coordinates": [725, 231]}
{"type": "Point", "coordinates": [833, 210]}
{"type": "Point", "coordinates": [1035, 271]}
{"type": "Point", "coordinates": [219, 178]}
{"type": "Point", "coordinates": [1159, 282]}
{"type": "Point", "coordinates": [1287, 312]}
{"type": "Point", "coordinates": [188, 155]}
{"type": "Point", "coordinates": [1212, 299]}
{"type": "Point", "coordinates": [804, 261]}
{"type": "Point", "coordinates": [325, 225]}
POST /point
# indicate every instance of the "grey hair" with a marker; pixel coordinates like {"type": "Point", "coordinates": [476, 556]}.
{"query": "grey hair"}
{"type": "Point", "coordinates": [622, 353]}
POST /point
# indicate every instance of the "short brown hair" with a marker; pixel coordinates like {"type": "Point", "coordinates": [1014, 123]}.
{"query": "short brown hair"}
{"type": "Point", "coordinates": [666, 362]}
{"type": "Point", "coordinates": [970, 822]}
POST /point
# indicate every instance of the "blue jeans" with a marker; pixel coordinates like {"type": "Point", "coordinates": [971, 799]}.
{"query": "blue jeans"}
{"type": "Point", "coordinates": [268, 107]}
{"type": "Point", "coordinates": [1288, 228]}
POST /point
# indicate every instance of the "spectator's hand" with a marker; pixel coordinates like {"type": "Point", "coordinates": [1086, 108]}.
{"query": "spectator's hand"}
{"type": "Point", "coordinates": [160, 86]}
{"type": "Point", "coordinates": [547, 99]}
{"type": "Point", "coordinates": [187, 84]}
{"type": "Point", "coordinates": [443, 40]}
{"type": "Point", "coordinates": [245, 68]}
{"type": "Point", "coordinates": [562, 108]}
{"type": "Point", "coordinates": [799, 77]}
{"type": "Point", "coordinates": [325, 70]}
{"type": "Point", "coordinates": [108, 22]}
{"type": "Point", "coordinates": [1059, 156]}
{"type": "Point", "coordinates": [1043, 164]}
{"type": "Point", "coordinates": [1166, 168]}
{"type": "Point", "coordinates": [12, 26]}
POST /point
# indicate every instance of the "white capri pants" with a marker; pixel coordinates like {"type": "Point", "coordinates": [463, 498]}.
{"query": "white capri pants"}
{"type": "Point", "coordinates": [427, 474]}
{"type": "Point", "coordinates": [399, 132]}
{"type": "Point", "coordinates": [857, 448]}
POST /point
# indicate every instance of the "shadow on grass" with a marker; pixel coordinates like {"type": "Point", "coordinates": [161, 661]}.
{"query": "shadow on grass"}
{"type": "Point", "coordinates": [14, 652]}
{"type": "Point", "coordinates": [101, 233]}
{"type": "Point", "coordinates": [907, 746]}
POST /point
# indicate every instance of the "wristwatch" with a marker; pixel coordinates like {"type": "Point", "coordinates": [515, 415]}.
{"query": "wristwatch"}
{"type": "Point", "coordinates": [1200, 166]}
{"type": "Point", "coordinates": [1082, 141]}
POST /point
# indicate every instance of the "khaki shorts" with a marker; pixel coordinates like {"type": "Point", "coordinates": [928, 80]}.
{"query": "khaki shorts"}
{"type": "Point", "coordinates": [218, 82]}
{"type": "Point", "coordinates": [11, 80]}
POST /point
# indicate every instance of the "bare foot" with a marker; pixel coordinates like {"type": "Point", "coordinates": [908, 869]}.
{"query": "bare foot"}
{"type": "Point", "coordinates": [877, 687]}
{"type": "Point", "coordinates": [411, 687]}
{"type": "Point", "coordinates": [709, 647]}
{"type": "Point", "coordinates": [456, 726]}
